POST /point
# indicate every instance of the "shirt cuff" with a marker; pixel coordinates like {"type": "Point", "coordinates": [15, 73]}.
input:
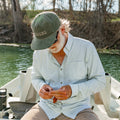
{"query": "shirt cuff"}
{"type": "Point", "coordinates": [41, 84]}
{"type": "Point", "coordinates": [74, 88]}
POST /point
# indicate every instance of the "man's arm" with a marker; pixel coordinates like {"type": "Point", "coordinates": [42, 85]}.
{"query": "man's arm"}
{"type": "Point", "coordinates": [37, 80]}
{"type": "Point", "coordinates": [96, 75]}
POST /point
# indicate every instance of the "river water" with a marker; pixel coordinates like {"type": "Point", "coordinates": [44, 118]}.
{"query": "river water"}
{"type": "Point", "coordinates": [14, 59]}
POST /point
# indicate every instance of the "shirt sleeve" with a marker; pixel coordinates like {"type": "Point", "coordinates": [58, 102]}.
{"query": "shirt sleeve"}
{"type": "Point", "coordinates": [95, 75]}
{"type": "Point", "coordinates": [37, 80]}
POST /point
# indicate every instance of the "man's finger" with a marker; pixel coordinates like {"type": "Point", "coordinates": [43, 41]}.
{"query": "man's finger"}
{"type": "Point", "coordinates": [44, 96]}
{"type": "Point", "coordinates": [44, 92]}
{"type": "Point", "coordinates": [57, 92]}
{"type": "Point", "coordinates": [48, 89]}
{"type": "Point", "coordinates": [62, 98]}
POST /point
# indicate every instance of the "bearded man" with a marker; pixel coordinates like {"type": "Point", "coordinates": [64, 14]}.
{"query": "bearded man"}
{"type": "Point", "coordinates": [66, 71]}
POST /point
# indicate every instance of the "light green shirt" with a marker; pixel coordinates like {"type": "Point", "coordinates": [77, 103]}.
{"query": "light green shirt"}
{"type": "Point", "coordinates": [81, 69]}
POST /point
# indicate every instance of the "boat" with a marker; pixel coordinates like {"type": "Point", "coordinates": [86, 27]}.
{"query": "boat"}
{"type": "Point", "coordinates": [18, 96]}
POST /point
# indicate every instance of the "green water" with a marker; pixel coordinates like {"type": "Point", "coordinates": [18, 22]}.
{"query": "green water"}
{"type": "Point", "coordinates": [111, 64]}
{"type": "Point", "coordinates": [14, 59]}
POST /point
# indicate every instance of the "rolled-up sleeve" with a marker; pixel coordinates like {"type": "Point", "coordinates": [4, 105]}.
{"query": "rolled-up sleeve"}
{"type": "Point", "coordinates": [37, 80]}
{"type": "Point", "coordinates": [95, 75]}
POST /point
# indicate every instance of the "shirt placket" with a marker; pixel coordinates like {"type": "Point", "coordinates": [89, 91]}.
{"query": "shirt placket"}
{"type": "Point", "coordinates": [61, 75]}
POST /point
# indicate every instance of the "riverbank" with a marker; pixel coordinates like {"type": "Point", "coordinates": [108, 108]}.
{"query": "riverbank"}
{"type": "Point", "coordinates": [14, 44]}
{"type": "Point", "coordinates": [10, 44]}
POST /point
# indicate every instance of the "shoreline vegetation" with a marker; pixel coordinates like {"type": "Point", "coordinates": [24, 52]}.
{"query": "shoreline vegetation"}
{"type": "Point", "coordinates": [96, 21]}
{"type": "Point", "coordinates": [104, 35]}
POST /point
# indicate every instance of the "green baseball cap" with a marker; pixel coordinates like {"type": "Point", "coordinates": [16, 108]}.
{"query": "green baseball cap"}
{"type": "Point", "coordinates": [44, 26]}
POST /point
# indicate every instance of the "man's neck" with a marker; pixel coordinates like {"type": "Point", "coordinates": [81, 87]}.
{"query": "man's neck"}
{"type": "Point", "coordinates": [59, 56]}
{"type": "Point", "coordinates": [60, 53]}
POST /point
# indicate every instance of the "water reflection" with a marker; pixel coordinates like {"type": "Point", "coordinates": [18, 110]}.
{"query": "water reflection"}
{"type": "Point", "coordinates": [14, 59]}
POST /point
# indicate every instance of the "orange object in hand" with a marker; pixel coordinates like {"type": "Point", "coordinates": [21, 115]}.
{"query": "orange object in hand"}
{"type": "Point", "coordinates": [54, 99]}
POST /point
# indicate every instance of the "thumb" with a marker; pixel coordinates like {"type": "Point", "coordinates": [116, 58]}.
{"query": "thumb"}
{"type": "Point", "coordinates": [50, 89]}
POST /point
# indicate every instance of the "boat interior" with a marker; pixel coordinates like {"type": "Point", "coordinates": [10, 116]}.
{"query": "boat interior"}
{"type": "Point", "coordinates": [18, 96]}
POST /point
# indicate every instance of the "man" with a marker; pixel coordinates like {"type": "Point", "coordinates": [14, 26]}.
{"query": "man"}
{"type": "Point", "coordinates": [66, 71]}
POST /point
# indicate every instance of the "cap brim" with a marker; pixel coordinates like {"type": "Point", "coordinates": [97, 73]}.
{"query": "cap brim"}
{"type": "Point", "coordinates": [39, 44]}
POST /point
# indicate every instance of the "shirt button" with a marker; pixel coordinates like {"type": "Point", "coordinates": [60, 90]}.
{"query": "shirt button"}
{"type": "Point", "coordinates": [61, 69]}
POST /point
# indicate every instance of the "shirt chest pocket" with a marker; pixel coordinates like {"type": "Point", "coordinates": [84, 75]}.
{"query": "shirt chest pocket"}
{"type": "Point", "coordinates": [76, 70]}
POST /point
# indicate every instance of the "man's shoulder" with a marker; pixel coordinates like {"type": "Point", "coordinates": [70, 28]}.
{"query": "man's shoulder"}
{"type": "Point", "coordinates": [83, 42]}
{"type": "Point", "coordinates": [40, 52]}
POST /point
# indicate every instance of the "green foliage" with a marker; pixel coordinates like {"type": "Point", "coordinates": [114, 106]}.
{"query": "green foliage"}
{"type": "Point", "coordinates": [115, 19]}
{"type": "Point", "coordinates": [31, 13]}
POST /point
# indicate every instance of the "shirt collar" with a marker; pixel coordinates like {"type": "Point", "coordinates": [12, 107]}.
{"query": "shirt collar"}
{"type": "Point", "coordinates": [68, 45]}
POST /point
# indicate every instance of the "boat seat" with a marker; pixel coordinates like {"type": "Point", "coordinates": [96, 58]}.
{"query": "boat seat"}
{"type": "Point", "coordinates": [104, 98]}
{"type": "Point", "coordinates": [28, 93]}
{"type": "Point", "coordinates": [99, 109]}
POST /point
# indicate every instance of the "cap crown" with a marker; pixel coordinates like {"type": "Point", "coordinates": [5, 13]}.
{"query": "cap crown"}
{"type": "Point", "coordinates": [45, 24]}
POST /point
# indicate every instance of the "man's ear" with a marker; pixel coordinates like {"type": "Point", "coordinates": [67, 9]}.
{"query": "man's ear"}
{"type": "Point", "coordinates": [62, 29]}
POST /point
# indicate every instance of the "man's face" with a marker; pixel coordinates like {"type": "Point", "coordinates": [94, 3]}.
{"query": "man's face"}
{"type": "Point", "coordinates": [59, 44]}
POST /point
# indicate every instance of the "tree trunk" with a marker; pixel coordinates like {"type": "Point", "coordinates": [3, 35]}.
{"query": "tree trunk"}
{"type": "Point", "coordinates": [0, 10]}
{"type": "Point", "coordinates": [4, 7]}
{"type": "Point", "coordinates": [33, 4]}
{"type": "Point", "coordinates": [100, 17]}
{"type": "Point", "coordinates": [89, 5]}
{"type": "Point", "coordinates": [84, 6]}
{"type": "Point", "coordinates": [17, 17]}
{"type": "Point", "coordinates": [54, 1]}
{"type": "Point", "coordinates": [71, 9]}
{"type": "Point", "coordinates": [70, 5]}
{"type": "Point", "coordinates": [119, 8]}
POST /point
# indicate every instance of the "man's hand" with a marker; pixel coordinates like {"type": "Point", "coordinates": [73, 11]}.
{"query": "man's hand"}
{"type": "Point", "coordinates": [44, 92]}
{"type": "Point", "coordinates": [61, 94]}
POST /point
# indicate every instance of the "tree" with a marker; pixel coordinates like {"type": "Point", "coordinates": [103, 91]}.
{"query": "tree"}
{"type": "Point", "coordinates": [71, 8]}
{"type": "Point", "coordinates": [17, 18]}
{"type": "Point", "coordinates": [33, 4]}
{"type": "Point", "coordinates": [70, 5]}
{"type": "Point", "coordinates": [54, 1]}
{"type": "Point", "coordinates": [119, 7]}
{"type": "Point", "coordinates": [4, 7]}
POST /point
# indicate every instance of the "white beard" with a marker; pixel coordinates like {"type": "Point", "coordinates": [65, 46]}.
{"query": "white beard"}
{"type": "Point", "coordinates": [60, 44]}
